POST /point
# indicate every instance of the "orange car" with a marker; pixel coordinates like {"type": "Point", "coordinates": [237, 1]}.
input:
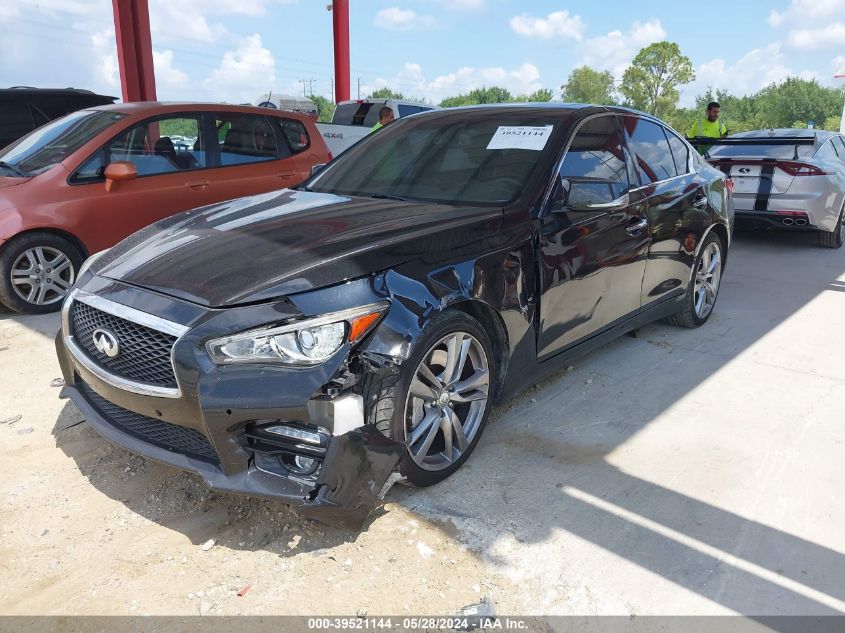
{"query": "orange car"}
{"type": "Point", "coordinates": [83, 182]}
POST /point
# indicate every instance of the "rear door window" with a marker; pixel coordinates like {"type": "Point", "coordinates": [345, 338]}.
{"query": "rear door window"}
{"type": "Point", "coordinates": [652, 154]}
{"type": "Point", "coordinates": [293, 134]}
{"type": "Point", "coordinates": [680, 152]}
{"type": "Point", "coordinates": [245, 138]}
{"type": "Point", "coordinates": [160, 146]}
{"type": "Point", "coordinates": [594, 165]}
{"type": "Point", "coordinates": [841, 142]}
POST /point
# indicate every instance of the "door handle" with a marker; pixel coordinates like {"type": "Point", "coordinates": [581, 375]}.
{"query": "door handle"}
{"type": "Point", "coordinates": [196, 185]}
{"type": "Point", "coordinates": [637, 226]}
{"type": "Point", "coordinates": [700, 201]}
{"type": "Point", "coordinates": [286, 175]}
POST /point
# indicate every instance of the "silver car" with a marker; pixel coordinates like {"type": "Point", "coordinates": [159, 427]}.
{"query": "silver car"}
{"type": "Point", "coordinates": [788, 178]}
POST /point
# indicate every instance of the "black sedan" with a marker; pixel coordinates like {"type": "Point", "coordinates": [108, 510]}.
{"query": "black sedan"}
{"type": "Point", "coordinates": [316, 345]}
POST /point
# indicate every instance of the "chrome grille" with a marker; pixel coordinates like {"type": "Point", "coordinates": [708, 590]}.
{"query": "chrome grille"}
{"type": "Point", "coordinates": [174, 438]}
{"type": "Point", "coordinates": [144, 352]}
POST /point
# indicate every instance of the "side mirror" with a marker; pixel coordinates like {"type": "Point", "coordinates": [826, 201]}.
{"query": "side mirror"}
{"type": "Point", "coordinates": [119, 171]}
{"type": "Point", "coordinates": [316, 169]}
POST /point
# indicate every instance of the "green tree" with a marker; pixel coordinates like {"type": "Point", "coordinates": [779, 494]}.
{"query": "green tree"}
{"type": "Point", "coordinates": [651, 81]}
{"type": "Point", "coordinates": [493, 94]}
{"type": "Point", "coordinates": [543, 95]}
{"type": "Point", "coordinates": [587, 85]}
{"type": "Point", "coordinates": [325, 108]}
{"type": "Point", "coordinates": [386, 93]}
{"type": "Point", "coordinates": [797, 100]}
{"type": "Point", "coordinates": [832, 123]}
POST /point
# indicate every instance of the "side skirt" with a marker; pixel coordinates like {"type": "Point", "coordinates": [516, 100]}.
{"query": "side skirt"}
{"type": "Point", "coordinates": [550, 364]}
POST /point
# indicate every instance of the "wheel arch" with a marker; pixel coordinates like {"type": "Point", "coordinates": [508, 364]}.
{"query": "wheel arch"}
{"type": "Point", "coordinates": [720, 231]}
{"type": "Point", "coordinates": [70, 237]}
{"type": "Point", "coordinates": [493, 324]}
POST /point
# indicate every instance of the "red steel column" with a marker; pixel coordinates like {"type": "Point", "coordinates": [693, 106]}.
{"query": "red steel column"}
{"type": "Point", "coordinates": [340, 20]}
{"type": "Point", "coordinates": [134, 49]}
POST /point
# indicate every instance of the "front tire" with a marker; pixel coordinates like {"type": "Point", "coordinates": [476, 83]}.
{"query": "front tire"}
{"type": "Point", "coordinates": [836, 237]}
{"type": "Point", "coordinates": [439, 402]}
{"type": "Point", "coordinates": [703, 291]}
{"type": "Point", "coordinates": [36, 272]}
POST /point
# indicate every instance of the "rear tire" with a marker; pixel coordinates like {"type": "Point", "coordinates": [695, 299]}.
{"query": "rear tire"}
{"type": "Point", "coordinates": [703, 290]}
{"type": "Point", "coordinates": [836, 237]}
{"type": "Point", "coordinates": [36, 272]}
{"type": "Point", "coordinates": [450, 390]}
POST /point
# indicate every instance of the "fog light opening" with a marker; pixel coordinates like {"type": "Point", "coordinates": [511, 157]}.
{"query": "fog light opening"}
{"type": "Point", "coordinates": [301, 465]}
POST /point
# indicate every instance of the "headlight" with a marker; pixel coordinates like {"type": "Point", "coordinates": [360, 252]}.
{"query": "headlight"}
{"type": "Point", "coordinates": [307, 342]}
{"type": "Point", "coordinates": [87, 263]}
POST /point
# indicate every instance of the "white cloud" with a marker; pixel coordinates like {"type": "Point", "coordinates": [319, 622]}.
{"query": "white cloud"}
{"type": "Point", "coordinates": [818, 39]}
{"type": "Point", "coordinates": [396, 19]}
{"type": "Point", "coordinates": [558, 24]}
{"type": "Point", "coordinates": [803, 11]}
{"type": "Point", "coordinates": [105, 67]}
{"type": "Point", "coordinates": [177, 20]}
{"type": "Point", "coordinates": [243, 72]}
{"type": "Point", "coordinates": [167, 77]}
{"type": "Point", "coordinates": [616, 50]}
{"type": "Point", "coordinates": [411, 80]}
{"type": "Point", "coordinates": [754, 70]}
{"type": "Point", "coordinates": [812, 25]}
{"type": "Point", "coordinates": [464, 5]}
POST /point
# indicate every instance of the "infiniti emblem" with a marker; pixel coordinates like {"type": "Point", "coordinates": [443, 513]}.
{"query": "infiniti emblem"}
{"type": "Point", "coordinates": [106, 342]}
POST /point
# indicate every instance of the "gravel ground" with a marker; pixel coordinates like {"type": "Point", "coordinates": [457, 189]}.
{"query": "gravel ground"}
{"type": "Point", "coordinates": [678, 472]}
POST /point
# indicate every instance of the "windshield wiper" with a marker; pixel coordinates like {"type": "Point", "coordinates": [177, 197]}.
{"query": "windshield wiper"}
{"type": "Point", "coordinates": [385, 196]}
{"type": "Point", "coordinates": [12, 168]}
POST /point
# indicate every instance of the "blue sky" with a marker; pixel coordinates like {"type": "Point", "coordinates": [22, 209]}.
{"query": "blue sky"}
{"type": "Point", "coordinates": [233, 50]}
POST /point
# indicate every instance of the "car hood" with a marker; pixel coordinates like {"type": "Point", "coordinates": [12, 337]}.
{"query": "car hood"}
{"type": "Point", "coordinates": [13, 181]}
{"type": "Point", "coordinates": [268, 246]}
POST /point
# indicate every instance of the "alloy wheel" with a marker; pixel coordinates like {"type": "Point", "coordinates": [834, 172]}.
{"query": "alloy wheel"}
{"type": "Point", "coordinates": [708, 275]}
{"type": "Point", "coordinates": [446, 401]}
{"type": "Point", "coordinates": [42, 275]}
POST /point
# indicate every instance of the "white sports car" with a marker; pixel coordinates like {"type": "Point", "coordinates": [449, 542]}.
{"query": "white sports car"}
{"type": "Point", "coordinates": [788, 178]}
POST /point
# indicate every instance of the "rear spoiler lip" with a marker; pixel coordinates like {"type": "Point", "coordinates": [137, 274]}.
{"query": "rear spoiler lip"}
{"type": "Point", "coordinates": [763, 140]}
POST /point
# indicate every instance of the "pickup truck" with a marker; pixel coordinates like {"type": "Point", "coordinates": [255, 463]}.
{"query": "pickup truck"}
{"type": "Point", "coordinates": [352, 120]}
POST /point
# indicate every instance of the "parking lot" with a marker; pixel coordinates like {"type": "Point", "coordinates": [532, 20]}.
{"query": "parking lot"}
{"type": "Point", "coordinates": [682, 471]}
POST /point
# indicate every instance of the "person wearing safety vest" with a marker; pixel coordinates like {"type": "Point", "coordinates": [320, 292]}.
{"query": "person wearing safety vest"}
{"type": "Point", "coordinates": [385, 116]}
{"type": "Point", "coordinates": [710, 125]}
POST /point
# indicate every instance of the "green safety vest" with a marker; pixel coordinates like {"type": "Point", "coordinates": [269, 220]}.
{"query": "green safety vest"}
{"type": "Point", "coordinates": [711, 129]}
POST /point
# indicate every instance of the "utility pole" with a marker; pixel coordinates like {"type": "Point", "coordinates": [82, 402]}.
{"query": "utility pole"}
{"type": "Point", "coordinates": [359, 88]}
{"type": "Point", "coordinates": [310, 90]}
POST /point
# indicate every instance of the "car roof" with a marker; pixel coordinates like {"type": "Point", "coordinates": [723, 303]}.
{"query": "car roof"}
{"type": "Point", "coordinates": [582, 109]}
{"type": "Point", "coordinates": [24, 92]}
{"type": "Point", "coordinates": [144, 108]}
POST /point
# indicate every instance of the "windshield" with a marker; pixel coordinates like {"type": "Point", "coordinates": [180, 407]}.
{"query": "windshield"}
{"type": "Point", "coordinates": [777, 152]}
{"type": "Point", "coordinates": [471, 157]}
{"type": "Point", "coordinates": [54, 142]}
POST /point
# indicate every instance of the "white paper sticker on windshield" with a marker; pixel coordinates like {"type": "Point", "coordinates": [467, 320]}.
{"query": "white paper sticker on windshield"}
{"type": "Point", "coordinates": [520, 137]}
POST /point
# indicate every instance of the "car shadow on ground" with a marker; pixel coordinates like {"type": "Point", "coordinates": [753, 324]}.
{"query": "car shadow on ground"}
{"type": "Point", "coordinates": [545, 473]}
{"type": "Point", "coordinates": [565, 460]}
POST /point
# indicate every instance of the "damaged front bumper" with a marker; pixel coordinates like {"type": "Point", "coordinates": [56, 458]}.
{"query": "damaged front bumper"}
{"type": "Point", "coordinates": [223, 423]}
